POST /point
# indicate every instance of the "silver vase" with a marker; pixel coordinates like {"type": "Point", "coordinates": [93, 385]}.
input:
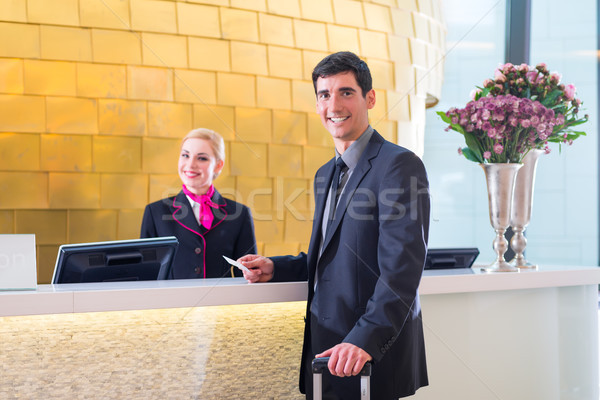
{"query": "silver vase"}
{"type": "Point", "coordinates": [500, 179]}
{"type": "Point", "coordinates": [521, 207]}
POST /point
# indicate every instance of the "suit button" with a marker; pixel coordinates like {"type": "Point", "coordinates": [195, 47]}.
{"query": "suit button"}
{"type": "Point", "coordinates": [198, 250]}
{"type": "Point", "coordinates": [198, 270]}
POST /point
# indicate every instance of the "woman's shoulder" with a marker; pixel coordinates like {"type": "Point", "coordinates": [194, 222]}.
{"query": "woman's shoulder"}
{"type": "Point", "coordinates": [162, 203]}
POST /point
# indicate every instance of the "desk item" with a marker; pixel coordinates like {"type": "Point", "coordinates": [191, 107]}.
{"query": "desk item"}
{"type": "Point", "coordinates": [122, 260]}
{"type": "Point", "coordinates": [17, 262]}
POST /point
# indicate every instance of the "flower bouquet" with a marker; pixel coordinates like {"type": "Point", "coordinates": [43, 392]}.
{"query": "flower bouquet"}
{"type": "Point", "coordinates": [532, 108]}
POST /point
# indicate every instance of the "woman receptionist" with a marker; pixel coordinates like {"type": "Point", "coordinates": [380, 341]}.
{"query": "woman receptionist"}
{"type": "Point", "coordinates": [207, 225]}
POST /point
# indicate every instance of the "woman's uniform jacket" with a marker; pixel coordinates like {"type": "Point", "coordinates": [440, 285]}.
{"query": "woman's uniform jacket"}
{"type": "Point", "coordinates": [200, 252]}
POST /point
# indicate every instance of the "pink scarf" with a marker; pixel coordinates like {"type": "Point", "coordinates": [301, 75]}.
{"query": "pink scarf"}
{"type": "Point", "coordinates": [205, 202]}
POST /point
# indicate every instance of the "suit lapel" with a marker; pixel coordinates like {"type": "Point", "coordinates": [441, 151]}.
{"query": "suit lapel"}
{"type": "Point", "coordinates": [361, 169]}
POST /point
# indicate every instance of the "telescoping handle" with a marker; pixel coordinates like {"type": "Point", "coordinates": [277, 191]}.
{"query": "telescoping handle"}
{"type": "Point", "coordinates": [320, 364]}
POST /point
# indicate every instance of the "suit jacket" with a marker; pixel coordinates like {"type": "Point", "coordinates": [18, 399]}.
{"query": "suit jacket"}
{"type": "Point", "coordinates": [200, 253]}
{"type": "Point", "coordinates": [369, 270]}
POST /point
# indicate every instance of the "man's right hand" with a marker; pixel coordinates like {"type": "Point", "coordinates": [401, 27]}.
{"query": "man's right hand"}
{"type": "Point", "coordinates": [261, 268]}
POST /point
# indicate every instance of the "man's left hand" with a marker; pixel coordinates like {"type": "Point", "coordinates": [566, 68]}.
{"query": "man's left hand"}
{"type": "Point", "coordinates": [345, 359]}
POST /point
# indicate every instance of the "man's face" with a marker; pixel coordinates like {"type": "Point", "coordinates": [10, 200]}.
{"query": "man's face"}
{"type": "Point", "coordinates": [342, 107]}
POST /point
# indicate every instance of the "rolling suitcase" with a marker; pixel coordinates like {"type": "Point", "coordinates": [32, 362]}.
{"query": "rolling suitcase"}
{"type": "Point", "coordinates": [320, 364]}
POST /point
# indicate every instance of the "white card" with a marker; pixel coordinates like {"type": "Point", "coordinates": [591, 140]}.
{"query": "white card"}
{"type": "Point", "coordinates": [17, 262]}
{"type": "Point", "coordinates": [236, 264]}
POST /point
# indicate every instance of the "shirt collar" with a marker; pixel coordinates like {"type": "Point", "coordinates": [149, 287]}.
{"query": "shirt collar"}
{"type": "Point", "coordinates": [353, 153]}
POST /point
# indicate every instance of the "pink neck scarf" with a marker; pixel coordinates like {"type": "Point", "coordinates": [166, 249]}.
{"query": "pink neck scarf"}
{"type": "Point", "coordinates": [205, 202]}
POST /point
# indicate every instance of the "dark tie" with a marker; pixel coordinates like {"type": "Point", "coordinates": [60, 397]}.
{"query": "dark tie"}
{"type": "Point", "coordinates": [340, 167]}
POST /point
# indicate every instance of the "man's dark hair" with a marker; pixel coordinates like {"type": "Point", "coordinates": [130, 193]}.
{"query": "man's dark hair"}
{"type": "Point", "coordinates": [344, 61]}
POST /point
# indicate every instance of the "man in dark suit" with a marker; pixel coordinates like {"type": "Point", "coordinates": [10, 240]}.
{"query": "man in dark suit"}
{"type": "Point", "coordinates": [367, 249]}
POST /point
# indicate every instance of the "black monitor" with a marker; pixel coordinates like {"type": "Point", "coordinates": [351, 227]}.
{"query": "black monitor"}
{"type": "Point", "coordinates": [122, 260]}
{"type": "Point", "coordinates": [450, 258]}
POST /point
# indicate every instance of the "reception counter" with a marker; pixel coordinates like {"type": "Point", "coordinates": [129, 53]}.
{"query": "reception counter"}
{"type": "Point", "coordinates": [526, 335]}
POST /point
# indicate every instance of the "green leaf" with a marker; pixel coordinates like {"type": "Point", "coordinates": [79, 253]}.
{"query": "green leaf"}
{"type": "Point", "coordinates": [469, 155]}
{"type": "Point", "coordinates": [551, 97]}
{"type": "Point", "coordinates": [444, 117]}
{"type": "Point", "coordinates": [473, 146]}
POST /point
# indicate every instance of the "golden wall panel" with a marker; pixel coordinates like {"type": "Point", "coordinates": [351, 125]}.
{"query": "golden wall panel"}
{"type": "Point", "coordinates": [349, 12]}
{"type": "Point", "coordinates": [253, 124]}
{"type": "Point", "coordinates": [46, 260]}
{"type": "Point", "coordinates": [104, 14]}
{"type": "Point", "coordinates": [92, 225]}
{"type": "Point", "coordinates": [123, 191]}
{"type": "Point", "coordinates": [122, 117]}
{"type": "Point", "coordinates": [273, 93]}
{"type": "Point", "coordinates": [13, 10]}
{"type": "Point", "coordinates": [209, 54]}
{"type": "Point", "coordinates": [147, 83]}
{"type": "Point", "coordinates": [12, 71]}
{"type": "Point", "coordinates": [276, 249]}
{"type": "Point", "coordinates": [342, 38]}
{"type": "Point", "coordinates": [248, 159]}
{"type": "Point", "coordinates": [378, 17]}
{"type": "Point", "coordinates": [249, 58]}
{"type": "Point", "coordinates": [22, 113]}
{"type": "Point", "coordinates": [68, 153]}
{"type": "Point", "coordinates": [275, 30]}
{"type": "Point", "coordinates": [153, 16]}
{"type": "Point", "coordinates": [218, 118]}
{"type": "Point", "coordinates": [239, 25]}
{"type": "Point", "coordinates": [65, 43]}
{"type": "Point", "coordinates": [290, 8]}
{"type": "Point", "coordinates": [160, 156]}
{"type": "Point", "coordinates": [128, 224]}
{"type": "Point", "coordinates": [71, 115]}
{"type": "Point", "coordinates": [58, 12]}
{"type": "Point", "coordinates": [285, 160]}
{"type": "Point", "coordinates": [289, 127]}
{"type": "Point", "coordinates": [19, 152]}
{"type": "Point", "coordinates": [19, 190]}
{"type": "Point", "coordinates": [70, 190]}
{"type": "Point", "coordinates": [49, 78]}
{"type": "Point", "coordinates": [256, 193]}
{"type": "Point", "coordinates": [119, 47]}
{"type": "Point", "coordinates": [164, 50]}
{"type": "Point", "coordinates": [298, 226]}
{"type": "Point", "coordinates": [7, 221]}
{"type": "Point", "coordinates": [310, 35]}
{"type": "Point", "coordinates": [198, 20]}
{"type": "Point", "coordinates": [236, 89]}
{"type": "Point", "coordinates": [49, 226]}
{"type": "Point", "coordinates": [195, 86]}
{"type": "Point", "coordinates": [28, 44]}
{"type": "Point", "coordinates": [169, 119]}
{"type": "Point", "coordinates": [317, 10]}
{"type": "Point", "coordinates": [285, 62]}
{"type": "Point", "coordinates": [101, 80]}
{"type": "Point", "coordinates": [117, 154]}
{"type": "Point", "coordinates": [119, 82]}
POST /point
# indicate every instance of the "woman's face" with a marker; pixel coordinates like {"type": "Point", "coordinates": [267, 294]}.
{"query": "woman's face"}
{"type": "Point", "coordinates": [198, 165]}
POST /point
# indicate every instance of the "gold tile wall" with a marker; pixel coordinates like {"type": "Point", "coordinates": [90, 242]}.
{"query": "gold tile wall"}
{"type": "Point", "coordinates": [95, 95]}
{"type": "Point", "coordinates": [211, 353]}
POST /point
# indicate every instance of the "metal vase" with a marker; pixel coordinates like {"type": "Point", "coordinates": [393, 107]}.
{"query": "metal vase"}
{"type": "Point", "coordinates": [500, 179]}
{"type": "Point", "coordinates": [521, 207]}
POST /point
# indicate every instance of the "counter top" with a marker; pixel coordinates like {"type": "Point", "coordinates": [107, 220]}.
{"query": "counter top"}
{"type": "Point", "coordinates": [118, 296]}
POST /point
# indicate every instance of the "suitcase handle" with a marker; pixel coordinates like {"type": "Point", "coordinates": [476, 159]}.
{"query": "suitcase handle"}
{"type": "Point", "coordinates": [320, 364]}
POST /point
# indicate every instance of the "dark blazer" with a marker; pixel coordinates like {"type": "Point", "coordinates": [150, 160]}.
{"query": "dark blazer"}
{"type": "Point", "coordinates": [369, 270]}
{"type": "Point", "coordinates": [231, 235]}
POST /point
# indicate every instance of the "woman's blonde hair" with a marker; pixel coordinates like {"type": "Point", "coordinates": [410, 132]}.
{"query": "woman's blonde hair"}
{"type": "Point", "coordinates": [214, 139]}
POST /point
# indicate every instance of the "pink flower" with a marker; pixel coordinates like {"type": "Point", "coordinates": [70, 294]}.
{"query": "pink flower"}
{"type": "Point", "coordinates": [474, 93]}
{"type": "Point", "coordinates": [499, 77]}
{"type": "Point", "coordinates": [460, 151]}
{"type": "Point", "coordinates": [487, 155]}
{"type": "Point", "coordinates": [570, 92]}
{"type": "Point", "coordinates": [555, 77]}
{"type": "Point", "coordinates": [498, 148]}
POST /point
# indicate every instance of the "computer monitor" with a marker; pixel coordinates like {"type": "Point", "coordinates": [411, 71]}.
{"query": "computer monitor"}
{"type": "Point", "coordinates": [450, 258]}
{"type": "Point", "coordinates": [123, 260]}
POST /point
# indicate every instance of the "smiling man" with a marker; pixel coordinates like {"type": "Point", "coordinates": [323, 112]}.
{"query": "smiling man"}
{"type": "Point", "coordinates": [367, 249]}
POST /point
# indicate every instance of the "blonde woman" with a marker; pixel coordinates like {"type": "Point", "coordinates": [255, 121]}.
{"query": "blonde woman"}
{"type": "Point", "coordinates": [207, 225]}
